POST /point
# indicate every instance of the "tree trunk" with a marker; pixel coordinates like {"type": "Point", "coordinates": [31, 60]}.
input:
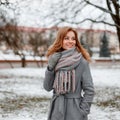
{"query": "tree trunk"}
{"type": "Point", "coordinates": [23, 61]}
{"type": "Point", "coordinates": [118, 33]}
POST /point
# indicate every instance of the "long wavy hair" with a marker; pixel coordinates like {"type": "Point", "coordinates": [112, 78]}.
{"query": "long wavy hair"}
{"type": "Point", "coordinates": [58, 43]}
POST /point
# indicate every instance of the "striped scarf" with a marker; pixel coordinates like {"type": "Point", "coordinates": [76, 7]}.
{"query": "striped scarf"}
{"type": "Point", "coordinates": [65, 71]}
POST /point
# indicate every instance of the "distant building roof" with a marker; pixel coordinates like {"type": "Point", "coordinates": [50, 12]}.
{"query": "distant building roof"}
{"type": "Point", "coordinates": [35, 29]}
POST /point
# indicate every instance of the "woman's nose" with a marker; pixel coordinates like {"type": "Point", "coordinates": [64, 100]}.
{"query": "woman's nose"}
{"type": "Point", "coordinates": [70, 40]}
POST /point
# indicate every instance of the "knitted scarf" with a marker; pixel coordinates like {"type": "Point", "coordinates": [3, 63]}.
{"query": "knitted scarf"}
{"type": "Point", "coordinates": [65, 71]}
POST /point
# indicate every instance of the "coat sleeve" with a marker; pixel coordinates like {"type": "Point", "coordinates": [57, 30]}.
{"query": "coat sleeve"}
{"type": "Point", "coordinates": [49, 79]}
{"type": "Point", "coordinates": [88, 89]}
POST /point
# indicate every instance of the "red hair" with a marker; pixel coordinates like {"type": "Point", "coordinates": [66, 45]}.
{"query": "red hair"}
{"type": "Point", "coordinates": [57, 45]}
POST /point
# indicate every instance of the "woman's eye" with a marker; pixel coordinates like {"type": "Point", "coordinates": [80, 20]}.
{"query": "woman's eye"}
{"type": "Point", "coordinates": [73, 39]}
{"type": "Point", "coordinates": [66, 38]}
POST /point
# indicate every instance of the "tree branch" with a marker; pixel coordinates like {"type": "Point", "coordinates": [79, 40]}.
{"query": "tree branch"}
{"type": "Point", "coordinates": [115, 18]}
{"type": "Point", "coordinates": [93, 21]}
{"type": "Point", "coordinates": [4, 2]}
{"type": "Point", "coordinates": [110, 9]}
{"type": "Point", "coordinates": [101, 8]}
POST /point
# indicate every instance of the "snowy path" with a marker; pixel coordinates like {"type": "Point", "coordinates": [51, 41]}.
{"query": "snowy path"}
{"type": "Point", "coordinates": [22, 96]}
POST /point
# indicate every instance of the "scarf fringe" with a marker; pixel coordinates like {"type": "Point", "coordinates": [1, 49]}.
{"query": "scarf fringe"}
{"type": "Point", "coordinates": [65, 72]}
{"type": "Point", "coordinates": [64, 82]}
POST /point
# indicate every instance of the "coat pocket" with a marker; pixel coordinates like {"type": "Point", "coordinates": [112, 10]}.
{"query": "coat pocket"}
{"type": "Point", "coordinates": [83, 114]}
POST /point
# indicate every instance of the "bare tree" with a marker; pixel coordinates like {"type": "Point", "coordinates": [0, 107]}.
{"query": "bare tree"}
{"type": "Point", "coordinates": [9, 33]}
{"type": "Point", "coordinates": [113, 8]}
{"type": "Point", "coordinates": [76, 13]}
{"type": "Point", "coordinates": [38, 42]}
{"type": "Point", "coordinates": [14, 40]}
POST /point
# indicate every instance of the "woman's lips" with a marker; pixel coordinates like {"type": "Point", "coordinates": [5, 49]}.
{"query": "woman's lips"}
{"type": "Point", "coordinates": [70, 46]}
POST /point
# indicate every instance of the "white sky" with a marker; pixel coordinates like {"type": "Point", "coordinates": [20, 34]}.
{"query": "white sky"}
{"type": "Point", "coordinates": [32, 11]}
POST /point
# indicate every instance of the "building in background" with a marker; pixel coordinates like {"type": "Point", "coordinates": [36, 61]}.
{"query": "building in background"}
{"type": "Point", "coordinates": [90, 37]}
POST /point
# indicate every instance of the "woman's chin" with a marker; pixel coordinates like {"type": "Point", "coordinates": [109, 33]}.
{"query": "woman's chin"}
{"type": "Point", "coordinates": [69, 48]}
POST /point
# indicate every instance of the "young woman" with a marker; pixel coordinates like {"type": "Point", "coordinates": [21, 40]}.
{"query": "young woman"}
{"type": "Point", "coordinates": [68, 75]}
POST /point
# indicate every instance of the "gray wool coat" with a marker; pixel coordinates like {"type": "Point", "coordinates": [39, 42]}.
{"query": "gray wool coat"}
{"type": "Point", "coordinates": [72, 106]}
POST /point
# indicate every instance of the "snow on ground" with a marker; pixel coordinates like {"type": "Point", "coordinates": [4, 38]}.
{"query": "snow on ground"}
{"type": "Point", "coordinates": [26, 81]}
{"type": "Point", "coordinates": [22, 95]}
{"type": "Point", "coordinates": [9, 55]}
{"type": "Point", "coordinates": [106, 77]}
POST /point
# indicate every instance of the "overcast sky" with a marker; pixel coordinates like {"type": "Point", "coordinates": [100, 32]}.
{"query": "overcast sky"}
{"type": "Point", "coordinates": [31, 13]}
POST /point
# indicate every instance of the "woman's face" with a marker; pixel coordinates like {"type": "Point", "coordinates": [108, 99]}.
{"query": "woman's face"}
{"type": "Point", "coordinates": [69, 40]}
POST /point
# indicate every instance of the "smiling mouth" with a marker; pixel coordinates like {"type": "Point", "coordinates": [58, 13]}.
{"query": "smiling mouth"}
{"type": "Point", "coordinates": [70, 45]}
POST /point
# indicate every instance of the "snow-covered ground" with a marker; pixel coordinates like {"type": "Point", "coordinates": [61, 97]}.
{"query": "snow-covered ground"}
{"type": "Point", "coordinates": [11, 56]}
{"type": "Point", "coordinates": [22, 96]}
